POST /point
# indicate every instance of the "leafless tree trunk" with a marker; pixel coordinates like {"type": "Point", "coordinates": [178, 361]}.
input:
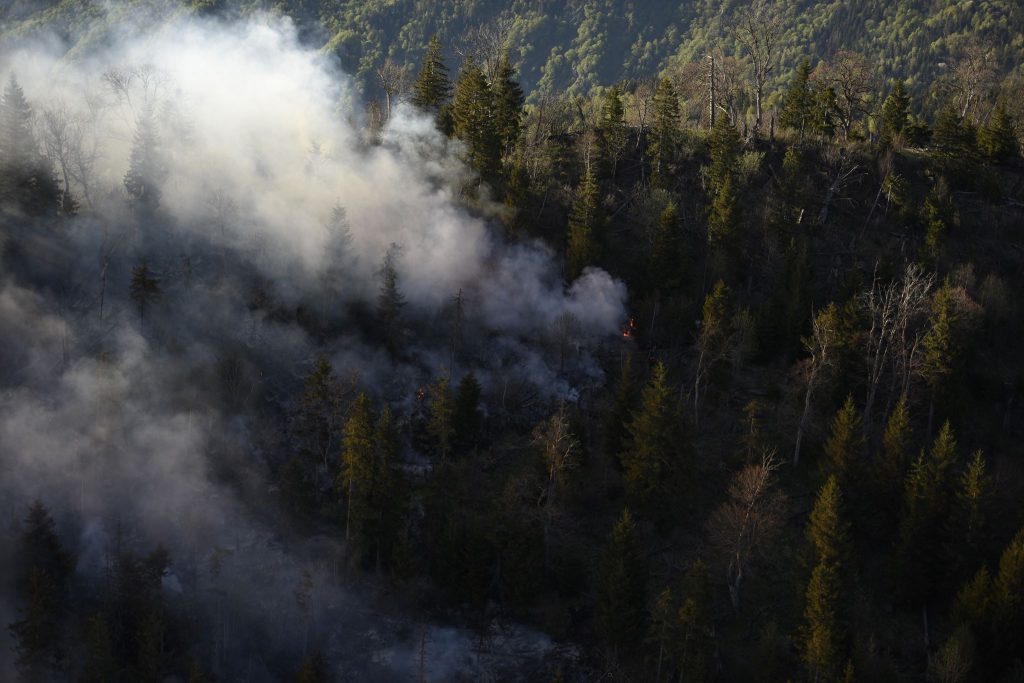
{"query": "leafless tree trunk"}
{"type": "Point", "coordinates": [739, 527]}
{"type": "Point", "coordinates": [394, 81]}
{"type": "Point", "coordinates": [758, 28]}
{"type": "Point", "coordinates": [824, 335]}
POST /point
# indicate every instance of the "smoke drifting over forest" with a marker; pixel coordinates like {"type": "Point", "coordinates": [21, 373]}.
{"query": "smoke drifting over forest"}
{"type": "Point", "coordinates": [141, 420]}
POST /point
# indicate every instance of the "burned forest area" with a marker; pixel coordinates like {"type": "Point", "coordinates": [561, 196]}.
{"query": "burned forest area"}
{"type": "Point", "coordinates": [471, 341]}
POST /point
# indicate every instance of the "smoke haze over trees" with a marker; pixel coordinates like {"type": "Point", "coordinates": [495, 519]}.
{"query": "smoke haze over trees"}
{"type": "Point", "coordinates": [420, 357]}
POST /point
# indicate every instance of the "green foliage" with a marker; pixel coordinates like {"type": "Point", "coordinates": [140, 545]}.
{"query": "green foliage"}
{"type": "Point", "coordinates": [612, 133]}
{"type": "Point", "coordinates": [442, 412]}
{"type": "Point", "coordinates": [586, 234]}
{"type": "Point", "coordinates": [824, 637]}
{"type": "Point", "coordinates": [146, 169]}
{"type": "Point", "coordinates": [895, 116]}
{"type": "Point", "coordinates": [967, 532]}
{"type": "Point", "coordinates": [653, 458]}
{"type": "Point", "coordinates": [432, 87]}
{"type": "Point", "coordinates": [664, 138]}
{"type": "Point", "coordinates": [508, 105]}
{"type": "Point", "coordinates": [798, 102]}
{"type": "Point", "coordinates": [998, 138]}
{"type": "Point", "coordinates": [666, 259]}
{"type": "Point", "coordinates": [390, 301]}
{"type": "Point", "coordinates": [844, 449]}
{"type": "Point", "coordinates": [473, 114]}
{"type": "Point", "coordinates": [620, 612]}
{"type": "Point", "coordinates": [828, 530]}
{"type": "Point", "coordinates": [620, 411]}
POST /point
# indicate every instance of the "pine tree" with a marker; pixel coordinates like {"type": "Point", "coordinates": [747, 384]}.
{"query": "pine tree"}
{"type": "Point", "coordinates": [36, 633]}
{"type": "Point", "coordinates": [998, 139]}
{"type": "Point", "coordinates": [466, 416]}
{"type": "Point", "coordinates": [895, 116]}
{"type": "Point", "coordinates": [928, 490]}
{"type": "Point", "coordinates": [145, 167]}
{"type": "Point", "coordinates": [356, 475]}
{"type": "Point", "coordinates": [844, 448]}
{"type": "Point", "coordinates": [940, 218]}
{"type": "Point", "coordinates": [390, 301]}
{"type": "Point", "coordinates": [725, 148]}
{"type": "Point", "coordinates": [473, 110]}
{"type": "Point", "coordinates": [318, 425]}
{"type": "Point", "coordinates": [896, 444]}
{"type": "Point", "coordinates": [145, 289]}
{"type": "Point", "coordinates": [967, 528]}
{"type": "Point", "coordinates": [824, 633]}
{"type": "Point", "coordinates": [828, 531]}
{"type": "Point", "coordinates": [585, 227]}
{"type": "Point", "coordinates": [508, 105]}
{"type": "Point", "coordinates": [26, 177]}
{"type": "Point", "coordinates": [387, 495]}
{"type": "Point", "coordinates": [1008, 598]}
{"type": "Point", "coordinates": [723, 218]}
{"type": "Point", "coordinates": [100, 665]}
{"type": "Point", "coordinates": [954, 143]}
{"type": "Point", "coordinates": [798, 101]}
{"type": "Point", "coordinates": [620, 411]}
{"type": "Point", "coordinates": [612, 133]}
{"type": "Point", "coordinates": [621, 586]}
{"type": "Point", "coordinates": [442, 412]}
{"type": "Point", "coordinates": [664, 133]}
{"type": "Point", "coordinates": [653, 456]}
{"type": "Point", "coordinates": [940, 346]}
{"type": "Point", "coordinates": [432, 87]}
{"type": "Point", "coordinates": [665, 269]}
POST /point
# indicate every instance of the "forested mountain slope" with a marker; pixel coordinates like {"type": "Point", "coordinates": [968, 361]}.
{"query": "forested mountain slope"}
{"type": "Point", "coordinates": [579, 44]}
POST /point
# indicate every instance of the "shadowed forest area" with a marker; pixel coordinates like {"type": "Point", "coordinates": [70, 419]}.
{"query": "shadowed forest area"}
{"type": "Point", "coordinates": [369, 341]}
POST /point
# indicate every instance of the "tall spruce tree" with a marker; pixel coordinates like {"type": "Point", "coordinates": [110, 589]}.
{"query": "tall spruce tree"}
{"type": "Point", "coordinates": [473, 114]}
{"type": "Point", "coordinates": [664, 138]}
{"type": "Point", "coordinates": [895, 116]}
{"type": "Point", "coordinates": [620, 612]}
{"type": "Point", "coordinates": [433, 87]}
{"type": "Point", "coordinates": [508, 105]}
{"type": "Point", "coordinates": [798, 102]}
{"type": "Point", "coordinates": [586, 224]}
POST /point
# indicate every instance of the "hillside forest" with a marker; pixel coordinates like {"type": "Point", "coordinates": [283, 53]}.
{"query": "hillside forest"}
{"type": "Point", "coordinates": [359, 341]}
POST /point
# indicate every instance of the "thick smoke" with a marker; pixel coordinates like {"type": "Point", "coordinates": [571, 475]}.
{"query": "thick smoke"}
{"type": "Point", "coordinates": [127, 424]}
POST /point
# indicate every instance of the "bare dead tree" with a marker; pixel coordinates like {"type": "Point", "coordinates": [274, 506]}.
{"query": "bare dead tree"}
{"type": "Point", "coordinates": [892, 342]}
{"type": "Point", "coordinates": [487, 44]}
{"type": "Point", "coordinates": [641, 104]}
{"type": "Point", "coordinates": [740, 527]}
{"type": "Point", "coordinates": [844, 173]}
{"type": "Point", "coordinates": [758, 28]}
{"type": "Point", "coordinates": [820, 346]}
{"type": "Point", "coordinates": [852, 77]}
{"type": "Point", "coordinates": [727, 84]}
{"type": "Point", "coordinates": [971, 79]}
{"type": "Point", "coordinates": [395, 81]}
{"type": "Point", "coordinates": [561, 451]}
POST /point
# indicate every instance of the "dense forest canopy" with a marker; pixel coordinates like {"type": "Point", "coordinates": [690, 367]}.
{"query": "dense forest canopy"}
{"type": "Point", "coordinates": [526, 341]}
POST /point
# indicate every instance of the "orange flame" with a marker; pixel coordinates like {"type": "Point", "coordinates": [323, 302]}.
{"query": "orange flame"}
{"type": "Point", "coordinates": [627, 331]}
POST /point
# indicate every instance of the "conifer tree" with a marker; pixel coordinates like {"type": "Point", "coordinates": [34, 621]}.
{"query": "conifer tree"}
{"type": "Point", "coordinates": [896, 444]}
{"type": "Point", "coordinates": [928, 490]}
{"type": "Point", "coordinates": [940, 218]}
{"type": "Point", "coordinates": [967, 528]}
{"type": "Point", "coordinates": [895, 116]}
{"type": "Point", "coordinates": [508, 105]}
{"type": "Point", "coordinates": [954, 143]}
{"type": "Point", "coordinates": [619, 415]}
{"type": "Point", "coordinates": [828, 530]}
{"type": "Point", "coordinates": [466, 416]}
{"type": "Point", "coordinates": [798, 102]}
{"type": "Point", "coordinates": [442, 412]}
{"type": "Point", "coordinates": [145, 168]}
{"type": "Point", "coordinates": [386, 499]}
{"type": "Point", "coordinates": [824, 632]}
{"type": "Point", "coordinates": [665, 269]}
{"type": "Point", "coordinates": [652, 458]}
{"type": "Point", "coordinates": [1008, 598]}
{"type": "Point", "coordinates": [432, 87]}
{"type": "Point", "coordinates": [585, 227]}
{"type": "Point", "coordinates": [622, 587]}
{"type": "Point", "coordinates": [998, 138]}
{"type": "Point", "coordinates": [390, 301]}
{"type": "Point", "coordinates": [357, 462]}
{"type": "Point", "coordinates": [473, 109]}
{"type": "Point", "coordinates": [844, 449]}
{"type": "Point", "coordinates": [723, 218]}
{"type": "Point", "coordinates": [664, 132]}
{"type": "Point", "coordinates": [612, 132]}
{"type": "Point", "coordinates": [26, 177]}
{"type": "Point", "coordinates": [940, 346]}
{"type": "Point", "coordinates": [145, 289]}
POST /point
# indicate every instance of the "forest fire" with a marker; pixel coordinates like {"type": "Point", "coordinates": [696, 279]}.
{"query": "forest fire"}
{"type": "Point", "coordinates": [630, 328]}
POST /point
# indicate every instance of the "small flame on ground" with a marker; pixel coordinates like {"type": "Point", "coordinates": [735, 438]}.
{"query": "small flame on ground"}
{"type": "Point", "coordinates": [630, 328]}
